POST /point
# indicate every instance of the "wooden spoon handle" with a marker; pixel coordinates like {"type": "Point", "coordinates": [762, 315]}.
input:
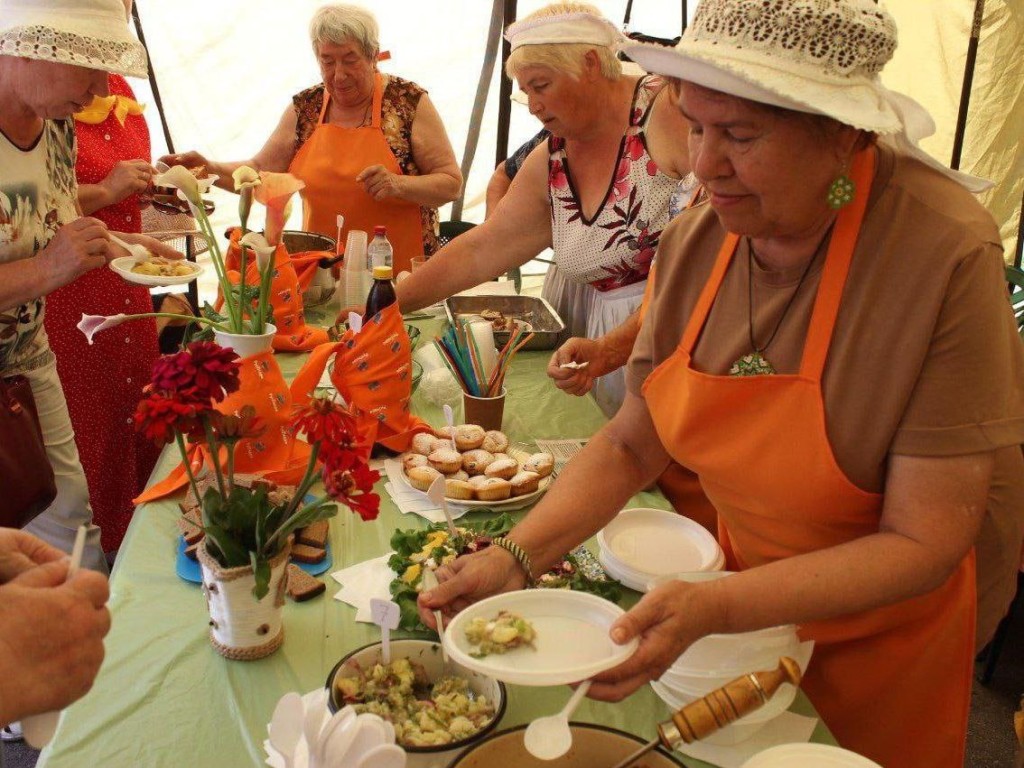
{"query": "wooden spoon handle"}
{"type": "Point", "coordinates": [731, 702]}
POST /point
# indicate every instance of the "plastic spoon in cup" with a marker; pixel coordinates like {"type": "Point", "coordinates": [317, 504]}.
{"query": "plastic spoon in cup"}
{"type": "Point", "coordinates": [39, 729]}
{"type": "Point", "coordinates": [371, 734]}
{"type": "Point", "coordinates": [436, 494]}
{"type": "Point", "coordinates": [449, 416]}
{"type": "Point", "coordinates": [429, 583]}
{"type": "Point", "coordinates": [313, 720]}
{"type": "Point", "coordinates": [548, 738]}
{"type": "Point", "coordinates": [336, 738]}
{"type": "Point", "coordinates": [286, 727]}
{"type": "Point", "coordinates": [383, 756]}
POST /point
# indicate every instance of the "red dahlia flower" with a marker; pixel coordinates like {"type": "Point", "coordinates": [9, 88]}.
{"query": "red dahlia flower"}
{"type": "Point", "coordinates": [354, 487]}
{"type": "Point", "coordinates": [158, 416]}
{"type": "Point", "coordinates": [204, 371]}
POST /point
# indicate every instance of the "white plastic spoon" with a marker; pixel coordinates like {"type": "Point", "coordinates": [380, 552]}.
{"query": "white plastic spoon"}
{"type": "Point", "coordinates": [383, 756]}
{"type": "Point", "coordinates": [548, 738]}
{"type": "Point", "coordinates": [286, 727]}
{"type": "Point", "coordinates": [371, 734]}
{"type": "Point", "coordinates": [38, 729]}
{"type": "Point", "coordinates": [313, 721]}
{"type": "Point", "coordinates": [336, 737]}
{"type": "Point", "coordinates": [436, 494]}
{"type": "Point", "coordinates": [449, 416]}
{"type": "Point", "coordinates": [136, 250]}
{"type": "Point", "coordinates": [429, 583]}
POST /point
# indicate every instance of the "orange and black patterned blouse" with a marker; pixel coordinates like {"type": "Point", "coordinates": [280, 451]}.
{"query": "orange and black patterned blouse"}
{"type": "Point", "coordinates": [398, 108]}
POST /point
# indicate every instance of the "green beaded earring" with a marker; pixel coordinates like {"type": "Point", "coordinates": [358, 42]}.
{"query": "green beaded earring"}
{"type": "Point", "coordinates": [840, 192]}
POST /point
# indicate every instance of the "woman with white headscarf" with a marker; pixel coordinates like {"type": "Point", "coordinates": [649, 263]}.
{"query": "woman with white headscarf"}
{"type": "Point", "coordinates": [829, 347]}
{"type": "Point", "coordinates": [596, 192]}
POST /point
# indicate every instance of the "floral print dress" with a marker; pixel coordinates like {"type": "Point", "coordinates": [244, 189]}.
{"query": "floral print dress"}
{"type": "Point", "coordinates": [602, 263]}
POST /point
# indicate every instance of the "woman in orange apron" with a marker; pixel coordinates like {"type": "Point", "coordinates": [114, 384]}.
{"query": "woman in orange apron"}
{"type": "Point", "coordinates": [369, 147]}
{"type": "Point", "coordinates": [849, 465]}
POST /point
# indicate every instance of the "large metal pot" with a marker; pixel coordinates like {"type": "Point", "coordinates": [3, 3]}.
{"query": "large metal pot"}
{"type": "Point", "coordinates": [322, 286]}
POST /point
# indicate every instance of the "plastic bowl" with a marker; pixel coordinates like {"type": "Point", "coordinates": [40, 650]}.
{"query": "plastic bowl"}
{"type": "Point", "coordinates": [802, 755]}
{"type": "Point", "coordinates": [645, 543]}
{"type": "Point", "coordinates": [427, 653]}
{"type": "Point", "coordinates": [592, 745]}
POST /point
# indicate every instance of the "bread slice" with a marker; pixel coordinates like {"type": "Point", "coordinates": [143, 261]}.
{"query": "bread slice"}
{"type": "Point", "coordinates": [302, 586]}
{"type": "Point", "coordinates": [190, 552]}
{"type": "Point", "coordinates": [303, 553]}
{"type": "Point", "coordinates": [192, 533]}
{"type": "Point", "coordinates": [314, 535]}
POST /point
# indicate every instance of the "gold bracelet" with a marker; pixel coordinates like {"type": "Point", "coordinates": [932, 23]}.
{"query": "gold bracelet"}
{"type": "Point", "coordinates": [519, 554]}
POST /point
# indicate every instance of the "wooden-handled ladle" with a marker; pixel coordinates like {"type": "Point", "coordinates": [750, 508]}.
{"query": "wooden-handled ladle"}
{"type": "Point", "coordinates": [719, 708]}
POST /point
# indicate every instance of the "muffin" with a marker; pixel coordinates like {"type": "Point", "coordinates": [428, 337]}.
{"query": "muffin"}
{"type": "Point", "coordinates": [458, 489]}
{"type": "Point", "coordinates": [495, 441]}
{"type": "Point", "coordinates": [478, 481]}
{"type": "Point", "coordinates": [420, 478]}
{"type": "Point", "coordinates": [493, 489]}
{"type": "Point", "coordinates": [503, 468]}
{"type": "Point", "coordinates": [501, 456]}
{"type": "Point", "coordinates": [411, 460]}
{"type": "Point", "coordinates": [469, 436]}
{"type": "Point", "coordinates": [423, 443]}
{"type": "Point", "coordinates": [541, 463]}
{"type": "Point", "coordinates": [524, 483]}
{"type": "Point", "coordinates": [476, 461]}
{"type": "Point", "coordinates": [460, 475]}
{"type": "Point", "coordinates": [444, 433]}
{"type": "Point", "coordinates": [445, 460]}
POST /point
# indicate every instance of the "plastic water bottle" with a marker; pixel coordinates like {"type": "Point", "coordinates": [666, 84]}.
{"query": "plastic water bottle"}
{"type": "Point", "coordinates": [379, 252]}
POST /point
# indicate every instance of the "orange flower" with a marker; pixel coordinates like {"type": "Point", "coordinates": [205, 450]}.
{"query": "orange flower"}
{"type": "Point", "coordinates": [274, 191]}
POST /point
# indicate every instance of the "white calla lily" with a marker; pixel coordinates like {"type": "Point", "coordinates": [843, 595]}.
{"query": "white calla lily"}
{"type": "Point", "coordinates": [258, 243]}
{"type": "Point", "coordinates": [245, 177]}
{"type": "Point", "coordinates": [189, 187]}
{"type": "Point", "coordinates": [90, 325]}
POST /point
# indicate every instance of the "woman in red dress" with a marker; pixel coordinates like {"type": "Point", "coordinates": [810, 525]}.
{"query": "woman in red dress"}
{"type": "Point", "coordinates": [103, 382]}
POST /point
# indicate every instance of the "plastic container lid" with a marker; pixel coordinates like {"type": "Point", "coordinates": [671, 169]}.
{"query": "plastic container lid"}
{"type": "Point", "coordinates": [383, 273]}
{"type": "Point", "coordinates": [380, 229]}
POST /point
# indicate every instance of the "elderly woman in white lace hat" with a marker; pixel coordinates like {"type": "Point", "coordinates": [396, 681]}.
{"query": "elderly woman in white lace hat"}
{"type": "Point", "coordinates": [829, 347]}
{"type": "Point", "coordinates": [54, 58]}
{"type": "Point", "coordinates": [597, 192]}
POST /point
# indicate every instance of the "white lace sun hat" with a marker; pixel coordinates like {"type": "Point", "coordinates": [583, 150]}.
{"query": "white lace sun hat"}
{"type": "Point", "coordinates": [818, 56]}
{"type": "Point", "coordinates": [84, 33]}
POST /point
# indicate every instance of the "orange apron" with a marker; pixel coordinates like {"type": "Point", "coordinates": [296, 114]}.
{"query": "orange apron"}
{"type": "Point", "coordinates": [892, 683]}
{"type": "Point", "coordinates": [329, 162]}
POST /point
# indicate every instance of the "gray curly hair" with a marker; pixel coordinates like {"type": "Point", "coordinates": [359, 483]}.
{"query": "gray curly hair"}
{"type": "Point", "coordinates": [341, 23]}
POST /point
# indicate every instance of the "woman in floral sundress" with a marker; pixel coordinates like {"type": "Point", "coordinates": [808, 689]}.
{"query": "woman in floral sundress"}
{"type": "Point", "coordinates": [597, 192]}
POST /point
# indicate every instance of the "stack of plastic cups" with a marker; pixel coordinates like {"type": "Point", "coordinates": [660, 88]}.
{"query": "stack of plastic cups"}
{"type": "Point", "coordinates": [355, 279]}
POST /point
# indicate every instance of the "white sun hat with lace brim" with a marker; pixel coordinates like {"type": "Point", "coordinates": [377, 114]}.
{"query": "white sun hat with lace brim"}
{"type": "Point", "coordinates": [83, 33]}
{"type": "Point", "coordinates": [817, 56]}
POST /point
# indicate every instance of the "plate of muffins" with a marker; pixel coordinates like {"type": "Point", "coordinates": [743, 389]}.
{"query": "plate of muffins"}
{"type": "Point", "coordinates": [482, 469]}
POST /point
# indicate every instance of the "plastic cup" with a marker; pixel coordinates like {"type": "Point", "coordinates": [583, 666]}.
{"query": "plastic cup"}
{"type": "Point", "coordinates": [485, 411]}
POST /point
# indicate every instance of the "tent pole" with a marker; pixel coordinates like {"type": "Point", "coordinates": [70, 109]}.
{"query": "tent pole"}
{"type": "Point", "coordinates": [965, 93]}
{"type": "Point", "coordinates": [1020, 236]}
{"type": "Point", "coordinates": [152, 79]}
{"type": "Point", "coordinates": [479, 103]}
{"type": "Point", "coordinates": [505, 93]}
{"type": "Point", "coordinates": [683, 25]}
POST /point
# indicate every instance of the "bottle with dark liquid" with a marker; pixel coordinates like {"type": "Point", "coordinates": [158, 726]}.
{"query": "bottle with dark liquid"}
{"type": "Point", "coordinates": [382, 293]}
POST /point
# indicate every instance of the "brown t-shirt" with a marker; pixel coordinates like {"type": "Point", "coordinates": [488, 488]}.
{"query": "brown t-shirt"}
{"type": "Point", "coordinates": [925, 359]}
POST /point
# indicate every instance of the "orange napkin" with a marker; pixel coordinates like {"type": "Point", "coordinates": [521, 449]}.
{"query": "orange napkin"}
{"type": "Point", "coordinates": [276, 454]}
{"type": "Point", "coordinates": [373, 372]}
{"type": "Point", "coordinates": [293, 335]}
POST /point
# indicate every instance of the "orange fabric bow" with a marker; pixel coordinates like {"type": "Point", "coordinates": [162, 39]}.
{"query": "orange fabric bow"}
{"type": "Point", "coordinates": [293, 335]}
{"type": "Point", "coordinates": [373, 373]}
{"type": "Point", "coordinates": [276, 454]}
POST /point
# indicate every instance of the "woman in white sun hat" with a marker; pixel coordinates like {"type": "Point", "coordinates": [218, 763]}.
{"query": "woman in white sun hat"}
{"type": "Point", "coordinates": [54, 58]}
{"type": "Point", "coordinates": [829, 347]}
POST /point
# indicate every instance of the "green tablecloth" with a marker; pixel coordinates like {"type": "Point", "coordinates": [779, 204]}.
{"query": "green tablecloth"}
{"type": "Point", "coordinates": [164, 697]}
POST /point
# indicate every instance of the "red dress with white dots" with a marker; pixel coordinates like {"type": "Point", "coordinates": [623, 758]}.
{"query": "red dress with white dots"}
{"type": "Point", "coordinates": [103, 382]}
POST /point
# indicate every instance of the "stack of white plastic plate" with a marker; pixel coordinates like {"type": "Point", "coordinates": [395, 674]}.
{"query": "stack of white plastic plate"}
{"type": "Point", "coordinates": [803, 755]}
{"type": "Point", "coordinates": [640, 545]}
{"type": "Point", "coordinates": [715, 660]}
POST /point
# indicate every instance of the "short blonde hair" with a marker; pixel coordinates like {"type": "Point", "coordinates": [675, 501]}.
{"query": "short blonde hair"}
{"type": "Point", "coordinates": [341, 24]}
{"type": "Point", "coordinates": [563, 57]}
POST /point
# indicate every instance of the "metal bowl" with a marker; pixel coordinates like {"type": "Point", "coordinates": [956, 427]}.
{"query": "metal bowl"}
{"type": "Point", "coordinates": [323, 285]}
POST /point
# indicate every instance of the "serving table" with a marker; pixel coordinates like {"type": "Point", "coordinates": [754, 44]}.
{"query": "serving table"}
{"type": "Point", "coordinates": [164, 697]}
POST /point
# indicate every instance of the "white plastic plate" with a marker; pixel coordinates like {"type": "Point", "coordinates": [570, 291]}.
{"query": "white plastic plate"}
{"type": "Point", "coordinates": [123, 267]}
{"type": "Point", "coordinates": [572, 642]}
{"type": "Point", "coordinates": [653, 542]}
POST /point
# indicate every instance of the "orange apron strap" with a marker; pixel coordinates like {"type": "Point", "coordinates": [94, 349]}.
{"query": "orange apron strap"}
{"type": "Point", "coordinates": [837, 266]}
{"type": "Point", "coordinates": [323, 107]}
{"type": "Point", "coordinates": [707, 295]}
{"type": "Point", "coordinates": [378, 101]}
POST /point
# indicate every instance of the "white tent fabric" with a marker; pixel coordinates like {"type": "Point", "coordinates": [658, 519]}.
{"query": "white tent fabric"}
{"type": "Point", "coordinates": [227, 69]}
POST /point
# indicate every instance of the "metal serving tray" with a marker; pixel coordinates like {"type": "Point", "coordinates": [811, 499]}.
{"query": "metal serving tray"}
{"type": "Point", "coordinates": [546, 324]}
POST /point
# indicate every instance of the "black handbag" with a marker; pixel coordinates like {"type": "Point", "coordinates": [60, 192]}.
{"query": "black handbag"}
{"type": "Point", "coordinates": [27, 485]}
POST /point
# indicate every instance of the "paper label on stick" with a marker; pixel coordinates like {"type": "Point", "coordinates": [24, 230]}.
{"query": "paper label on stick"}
{"type": "Point", "coordinates": [385, 613]}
